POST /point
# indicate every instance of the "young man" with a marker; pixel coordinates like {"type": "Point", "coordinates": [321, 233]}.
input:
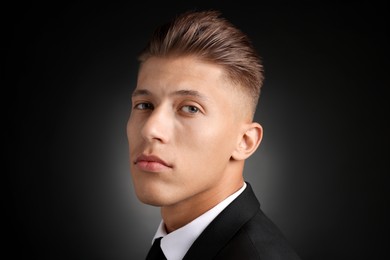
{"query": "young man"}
{"type": "Point", "coordinates": [190, 130]}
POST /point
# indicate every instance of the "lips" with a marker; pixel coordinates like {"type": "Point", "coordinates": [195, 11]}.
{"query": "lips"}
{"type": "Point", "coordinates": [151, 163]}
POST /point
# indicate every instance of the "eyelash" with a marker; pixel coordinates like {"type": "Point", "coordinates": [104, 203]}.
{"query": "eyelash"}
{"type": "Point", "coordinates": [149, 106]}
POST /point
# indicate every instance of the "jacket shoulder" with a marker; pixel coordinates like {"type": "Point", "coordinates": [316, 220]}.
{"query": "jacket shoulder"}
{"type": "Point", "coordinates": [261, 239]}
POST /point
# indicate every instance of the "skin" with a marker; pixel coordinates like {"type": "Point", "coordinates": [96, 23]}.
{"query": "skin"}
{"type": "Point", "coordinates": [186, 114]}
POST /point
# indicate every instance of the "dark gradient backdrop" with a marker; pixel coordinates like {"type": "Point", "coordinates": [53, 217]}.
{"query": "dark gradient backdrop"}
{"type": "Point", "coordinates": [319, 173]}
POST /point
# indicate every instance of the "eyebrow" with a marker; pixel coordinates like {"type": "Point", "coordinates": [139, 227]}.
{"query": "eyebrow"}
{"type": "Point", "coordinates": [141, 92]}
{"type": "Point", "coordinates": [182, 92]}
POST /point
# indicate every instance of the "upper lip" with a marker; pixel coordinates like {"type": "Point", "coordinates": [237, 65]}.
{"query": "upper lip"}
{"type": "Point", "coordinates": [151, 158]}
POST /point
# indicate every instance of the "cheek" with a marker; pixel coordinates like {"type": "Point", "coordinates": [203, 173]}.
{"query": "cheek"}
{"type": "Point", "coordinates": [208, 144]}
{"type": "Point", "coordinates": [133, 135]}
{"type": "Point", "coordinates": [132, 128]}
{"type": "Point", "coordinates": [129, 125]}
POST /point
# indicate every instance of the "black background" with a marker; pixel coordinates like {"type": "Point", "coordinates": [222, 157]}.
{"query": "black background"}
{"type": "Point", "coordinates": [320, 172]}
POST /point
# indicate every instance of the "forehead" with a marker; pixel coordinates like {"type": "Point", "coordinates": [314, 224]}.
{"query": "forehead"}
{"type": "Point", "coordinates": [177, 73]}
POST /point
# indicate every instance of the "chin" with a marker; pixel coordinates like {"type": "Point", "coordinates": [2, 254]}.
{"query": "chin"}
{"type": "Point", "coordinates": [157, 201]}
{"type": "Point", "coordinates": [153, 196]}
{"type": "Point", "coordinates": [151, 202]}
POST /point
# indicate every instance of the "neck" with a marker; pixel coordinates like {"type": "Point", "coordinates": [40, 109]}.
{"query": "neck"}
{"type": "Point", "coordinates": [178, 215]}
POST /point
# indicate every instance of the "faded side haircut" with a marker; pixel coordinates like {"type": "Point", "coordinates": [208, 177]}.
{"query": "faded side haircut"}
{"type": "Point", "coordinates": [212, 38]}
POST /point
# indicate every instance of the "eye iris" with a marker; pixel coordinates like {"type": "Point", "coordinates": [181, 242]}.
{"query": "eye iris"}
{"type": "Point", "coordinates": [143, 106]}
{"type": "Point", "coordinates": [192, 109]}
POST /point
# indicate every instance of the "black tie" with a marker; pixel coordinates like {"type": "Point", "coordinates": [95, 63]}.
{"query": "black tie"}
{"type": "Point", "coordinates": [155, 252]}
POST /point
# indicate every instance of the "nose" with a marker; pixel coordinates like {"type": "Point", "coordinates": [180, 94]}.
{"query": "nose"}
{"type": "Point", "coordinates": [157, 126]}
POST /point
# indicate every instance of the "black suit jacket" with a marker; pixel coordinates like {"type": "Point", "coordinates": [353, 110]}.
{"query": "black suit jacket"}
{"type": "Point", "coordinates": [240, 232]}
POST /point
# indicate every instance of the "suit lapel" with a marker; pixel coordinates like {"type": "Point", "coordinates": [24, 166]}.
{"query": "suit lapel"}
{"type": "Point", "coordinates": [224, 226]}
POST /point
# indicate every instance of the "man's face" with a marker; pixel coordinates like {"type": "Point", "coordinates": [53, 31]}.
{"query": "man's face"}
{"type": "Point", "coordinates": [182, 130]}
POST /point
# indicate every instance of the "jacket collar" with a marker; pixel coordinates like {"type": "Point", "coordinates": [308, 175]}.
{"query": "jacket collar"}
{"type": "Point", "coordinates": [224, 226]}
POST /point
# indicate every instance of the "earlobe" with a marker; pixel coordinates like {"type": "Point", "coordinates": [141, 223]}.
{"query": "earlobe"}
{"type": "Point", "coordinates": [249, 142]}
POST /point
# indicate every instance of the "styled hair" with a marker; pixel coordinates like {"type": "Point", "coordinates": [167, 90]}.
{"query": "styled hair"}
{"type": "Point", "coordinates": [212, 38]}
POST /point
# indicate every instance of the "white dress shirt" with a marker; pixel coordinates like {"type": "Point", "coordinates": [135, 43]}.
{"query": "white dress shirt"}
{"type": "Point", "coordinates": [176, 244]}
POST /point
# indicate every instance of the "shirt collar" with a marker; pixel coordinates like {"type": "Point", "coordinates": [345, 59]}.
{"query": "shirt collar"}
{"type": "Point", "coordinates": [176, 244]}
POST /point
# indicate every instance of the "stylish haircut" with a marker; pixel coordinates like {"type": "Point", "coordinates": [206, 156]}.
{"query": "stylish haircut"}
{"type": "Point", "coordinates": [210, 37]}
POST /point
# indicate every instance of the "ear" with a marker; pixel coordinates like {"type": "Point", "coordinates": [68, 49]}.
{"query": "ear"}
{"type": "Point", "coordinates": [248, 142]}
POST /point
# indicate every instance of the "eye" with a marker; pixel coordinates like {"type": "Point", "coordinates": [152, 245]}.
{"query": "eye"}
{"type": "Point", "coordinates": [190, 109]}
{"type": "Point", "coordinates": [143, 106]}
